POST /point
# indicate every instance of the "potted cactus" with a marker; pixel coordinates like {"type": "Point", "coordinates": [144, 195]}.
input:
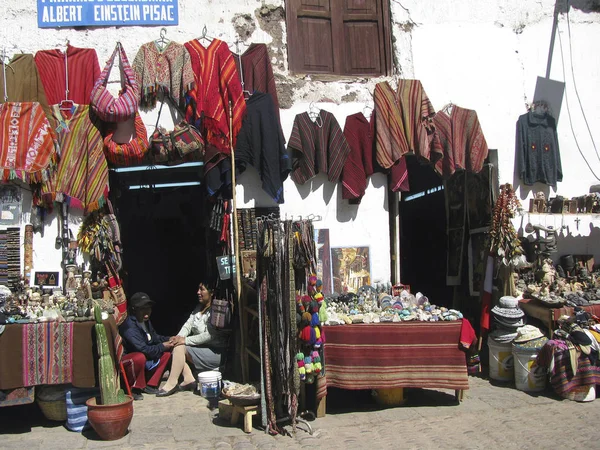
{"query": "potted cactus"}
{"type": "Point", "coordinates": [110, 417]}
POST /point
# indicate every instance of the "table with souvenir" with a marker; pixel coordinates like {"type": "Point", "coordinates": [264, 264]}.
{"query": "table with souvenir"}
{"type": "Point", "coordinates": [386, 338]}
{"type": "Point", "coordinates": [47, 337]}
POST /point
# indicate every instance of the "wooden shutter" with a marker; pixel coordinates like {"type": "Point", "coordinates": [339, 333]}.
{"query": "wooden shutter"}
{"type": "Point", "coordinates": [343, 37]}
{"type": "Point", "coordinates": [310, 39]}
{"type": "Point", "coordinates": [364, 37]}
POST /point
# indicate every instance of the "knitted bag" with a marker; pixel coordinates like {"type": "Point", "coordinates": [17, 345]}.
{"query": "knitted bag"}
{"type": "Point", "coordinates": [220, 313]}
{"type": "Point", "coordinates": [130, 153]}
{"type": "Point", "coordinates": [174, 146]}
{"type": "Point", "coordinates": [119, 109]}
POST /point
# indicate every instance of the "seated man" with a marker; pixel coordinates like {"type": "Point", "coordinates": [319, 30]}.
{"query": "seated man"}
{"type": "Point", "coordinates": [147, 353]}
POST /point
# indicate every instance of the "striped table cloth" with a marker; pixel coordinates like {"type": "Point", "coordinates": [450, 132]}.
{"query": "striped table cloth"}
{"type": "Point", "coordinates": [397, 355]}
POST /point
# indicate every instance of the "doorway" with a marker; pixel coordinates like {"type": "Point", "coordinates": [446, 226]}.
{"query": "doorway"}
{"type": "Point", "coordinates": [423, 244]}
{"type": "Point", "coordinates": [165, 245]}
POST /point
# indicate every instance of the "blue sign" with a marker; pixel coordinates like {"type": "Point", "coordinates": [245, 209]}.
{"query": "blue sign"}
{"type": "Point", "coordinates": [101, 13]}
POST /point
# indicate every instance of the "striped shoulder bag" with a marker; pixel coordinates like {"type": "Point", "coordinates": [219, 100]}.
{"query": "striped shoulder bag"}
{"type": "Point", "coordinates": [102, 102]}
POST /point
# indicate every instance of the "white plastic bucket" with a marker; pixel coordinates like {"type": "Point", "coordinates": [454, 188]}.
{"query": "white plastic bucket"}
{"type": "Point", "coordinates": [501, 362]}
{"type": "Point", "coordinates": [209, 384]}
{"type": "Point", "coordinates": [529, 377]}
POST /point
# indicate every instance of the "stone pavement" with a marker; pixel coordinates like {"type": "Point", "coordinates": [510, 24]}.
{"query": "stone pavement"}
{"type": "Point", "coordinates": [491, 416]}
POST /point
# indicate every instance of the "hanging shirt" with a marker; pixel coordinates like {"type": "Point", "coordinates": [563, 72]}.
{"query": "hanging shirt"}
{"type": "Point", "coordinates": [23, 83]}
{"type": "Point", "coordinates": [27, 143]}
{"type": "Point", "coordinates": [82, 176]}
{"type": "Point", "coordinates": [261, 144]}
{"type": "Point", "coordinates": [538, 156]}
{"type": "Point", "coordinates": [217, 83]}
{"type": "Point", "coordinates": [168, 71]}
{"type": "Point", "coordinates": [256, 72]}
{"type": "Point", "coordinates": [461, 141]}
{"type": "Point", "coordinates": [82, 64]}
{"type": "Point", "coordinates": [358, 132]}
{"type": "Point", "coordinates": [316, 147]}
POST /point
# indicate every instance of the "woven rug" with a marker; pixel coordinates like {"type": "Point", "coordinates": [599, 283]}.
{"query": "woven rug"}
{"type": "Point", "coordinates": [18, 396]}
{"type": "Point", "coordinates": [13, 253]}
{"type": "Point", "coordinates": [47, 353]}
{"type": "Point", "coordinates": [3, 258]}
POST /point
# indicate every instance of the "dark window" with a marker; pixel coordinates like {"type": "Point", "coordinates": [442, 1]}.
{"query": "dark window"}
{"type": "Point", "coordinates": [340, 37]}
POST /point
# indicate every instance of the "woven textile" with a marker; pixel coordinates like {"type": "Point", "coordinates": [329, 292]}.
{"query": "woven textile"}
{"type": "Point", "coordinates": [107, 107]}
{"type": "Point", "coordinates": [555, 355]}
{"type": "Point", "coordinates": [317, 147]}
{"type": "Point", "coordinates": [82, 177]}
{"type": "Point", "coordinates": [47, 353]}
{"type": "Point", "coordinates": [18, 396]}
{"type": "Point", "coordinates": [130, 153]}
{"type": "Point", "coordinates": [168, 71]}
{"type": "Point", "coordinates": [217, 83]}
{"type": "Point", "coordinates": [462, 141]}
{"type": "Point", "coordinates": [382, 356]}
{"type": "Point", "coordinates": [83, 69]}
{"type": "Point", "coordinates": [23, 82]}
{"type": "Point", "coordinates": [27, 143]}
{"type": "Point", "coordinates": [3, 258]}
{"type": "Point", "coordinates": [13, 257]}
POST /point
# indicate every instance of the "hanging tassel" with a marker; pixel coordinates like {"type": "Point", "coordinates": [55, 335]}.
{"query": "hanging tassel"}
{"type": "Point", "coordinates": [313, 335]}
{"type": "Point", "coordinates": [315, 320]}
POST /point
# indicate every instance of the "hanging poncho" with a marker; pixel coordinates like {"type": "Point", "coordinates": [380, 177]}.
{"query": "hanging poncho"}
{"type": "Point", "coordinates": [27, 143]}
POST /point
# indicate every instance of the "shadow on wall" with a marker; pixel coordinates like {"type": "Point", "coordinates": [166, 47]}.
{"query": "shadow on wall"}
{"type": "Point", "coordinates": [586, 6]}
{"type": "Point", "coordinates": [575, 242]}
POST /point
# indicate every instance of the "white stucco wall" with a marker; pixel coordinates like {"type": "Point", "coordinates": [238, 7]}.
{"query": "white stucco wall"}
{"type": "Point", "coordinates": [478, 54]}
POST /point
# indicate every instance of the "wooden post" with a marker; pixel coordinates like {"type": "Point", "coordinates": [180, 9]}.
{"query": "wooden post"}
{"type": "Point", "coordinates": [238, 279]}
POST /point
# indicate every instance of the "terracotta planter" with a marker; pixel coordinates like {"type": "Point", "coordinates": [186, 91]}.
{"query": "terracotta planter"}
{"type": "Point", "coordinates": [110, 421]}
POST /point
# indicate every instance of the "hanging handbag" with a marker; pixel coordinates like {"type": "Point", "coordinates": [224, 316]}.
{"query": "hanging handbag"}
{"type": "Point", "coordinates": [221, 311]}
{"type": "Point", "coordinates": [129, 153]}
{"type": "Point", "coordinates": [175, 146]}
{"type": "Point", "coordinates": [102, 102]}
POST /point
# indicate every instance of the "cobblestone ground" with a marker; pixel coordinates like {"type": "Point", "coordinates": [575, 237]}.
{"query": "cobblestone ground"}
{"type": "Point", "coordinates": [491, 416]}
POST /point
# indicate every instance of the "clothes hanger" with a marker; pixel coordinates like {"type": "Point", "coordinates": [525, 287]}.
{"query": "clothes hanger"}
{"type": "Point", "coordinates": [66, 104]}
{"type": "Point", "coordinates": [448, 108]}
{"type": "Point", "coordinates": [4, 66]}
{"type": "Point", "coordinates": [162, 41]}
{"type": "Point", "coordinates": [314, 114]}
{"type": "Point", "coordinates": [245, 92]}
{"type": "Point", "coordinates": [205, 36]}
{"type": "Point", "coordinates": [367, 111]}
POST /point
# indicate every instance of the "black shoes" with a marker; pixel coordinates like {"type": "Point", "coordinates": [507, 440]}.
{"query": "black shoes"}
{"type": "Point", "coordinates": [189, 387]}
{"type": "Point", "coordinates": [163, 393]}
{"type": "Point", "coordinates": [150, 390]}
{"type": "Point", "coordinates": [137, 395]}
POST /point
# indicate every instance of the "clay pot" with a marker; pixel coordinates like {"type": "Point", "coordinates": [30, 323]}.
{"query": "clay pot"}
{"type": "Point", "coordinates": [110, 422]}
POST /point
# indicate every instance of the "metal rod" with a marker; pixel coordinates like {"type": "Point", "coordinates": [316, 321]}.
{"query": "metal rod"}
{"type": "Point", "coordinates": [236, 249]}
{"type": "Point", "coordinates": [553, 36]}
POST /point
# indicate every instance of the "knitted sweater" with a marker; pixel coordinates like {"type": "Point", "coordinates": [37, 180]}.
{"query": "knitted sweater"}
{"type": "Point", "coordinates": [538, 156]}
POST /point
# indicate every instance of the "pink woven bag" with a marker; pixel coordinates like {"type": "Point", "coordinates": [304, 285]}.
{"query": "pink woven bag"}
{"type": "Point", "coordinates": [102, 102]}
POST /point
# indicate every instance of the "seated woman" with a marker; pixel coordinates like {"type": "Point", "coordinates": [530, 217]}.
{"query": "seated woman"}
{"type": "Point", "coordinates": [147, 352]}
{"type": "Point", "coordinates": [198, 343]}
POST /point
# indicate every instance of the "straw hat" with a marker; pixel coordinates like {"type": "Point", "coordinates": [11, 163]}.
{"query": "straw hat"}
{"type": "Point", "coordinates": [528, 333]}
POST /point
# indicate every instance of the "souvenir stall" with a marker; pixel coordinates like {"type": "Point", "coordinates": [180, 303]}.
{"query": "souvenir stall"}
{"type": "Point", "coordinates": [399, 340]}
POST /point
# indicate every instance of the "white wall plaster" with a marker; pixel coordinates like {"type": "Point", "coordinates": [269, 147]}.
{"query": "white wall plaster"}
{"type": "Point", "coordinates": [479, 54]}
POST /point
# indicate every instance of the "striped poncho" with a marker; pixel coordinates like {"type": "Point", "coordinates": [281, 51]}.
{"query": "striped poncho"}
{"type": "Point", "coordinates": [27, 143]}
{"type": "Point", "coordinates": [461, 140]}
{"type": "Point", "coordinates": [217, 83]}
{"type": "Point", "coordinates": [317, 147]}
{"type": "Point", "coordinates": [83, 71]}
{"type": "Point", "coordinates": [82, 176]}
{"type": "Point", "coordinates": [359, 164]}
{"type": "Point", "coordinates": [403, 122]}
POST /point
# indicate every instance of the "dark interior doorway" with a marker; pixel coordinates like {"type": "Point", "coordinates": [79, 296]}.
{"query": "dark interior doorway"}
{"type": "Point", "coordinates": [165, 244]}
{"type": "Point", "coordinates": [423, 246]}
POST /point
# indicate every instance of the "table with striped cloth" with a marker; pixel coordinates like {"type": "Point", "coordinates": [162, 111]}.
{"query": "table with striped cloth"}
{"type": "Point", "coordinates": [396, 355]}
